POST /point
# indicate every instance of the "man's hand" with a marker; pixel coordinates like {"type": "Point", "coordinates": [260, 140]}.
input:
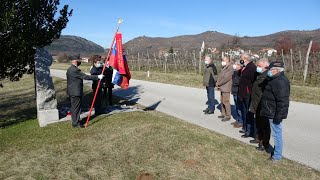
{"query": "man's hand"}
{"type": "Point", "coordinates": [100, 76]}
{"type": "Point", "coordinates": [277, 121]}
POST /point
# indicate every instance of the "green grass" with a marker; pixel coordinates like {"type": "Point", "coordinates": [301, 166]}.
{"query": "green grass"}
{"type": "Point", "coordinates": [124, 146]}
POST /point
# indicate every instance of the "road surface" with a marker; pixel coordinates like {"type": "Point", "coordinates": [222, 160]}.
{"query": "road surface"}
{"type": "Point", "coordinates": [301, 131]}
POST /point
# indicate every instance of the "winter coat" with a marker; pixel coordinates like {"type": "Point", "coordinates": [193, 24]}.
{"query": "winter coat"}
{"type": "Point", "coordinates": [106, 81]}
{"type": "Point", "coordinates": [258, 87]}
{"type": "Point", "coordinates": [75, 81]}
{"type": "Point", "coordinates": [275, 98]}
{"type": "Point", "coordinates": [95, 71]}
{"type": "Point", "coordinates": [224, 81]}
{"type": "Point", "coordinates": [209, 76]}
{"type": "Point", "coordinates": [235, 82]}
{"type": "Point", "coordinates": [247, 78]}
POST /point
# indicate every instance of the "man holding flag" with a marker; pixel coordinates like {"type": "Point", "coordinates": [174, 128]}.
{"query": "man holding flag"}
{"type": "Point", "coordinates": [117, 60]}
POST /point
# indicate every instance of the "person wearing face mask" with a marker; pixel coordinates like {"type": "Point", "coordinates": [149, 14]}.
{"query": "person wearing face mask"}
{"type": "Point", "coordinates": [96, 69]}
{"type": "Point", "coordinates": [247, 78]}
{"type": "Point", "coordinates": [209, 77]}
{"type": "Point", "coordinates": [224, 84]}
{"type": "Point", "coordinates": [275, 105]}
{"type": "Point", "coordinates": [234, 91]}
{"type": "Point", "coordinates": [262, 135]}
{"type": "Point", "coordinates": [75, 90]}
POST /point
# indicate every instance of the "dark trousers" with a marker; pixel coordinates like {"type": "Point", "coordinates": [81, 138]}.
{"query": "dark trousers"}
{"type": "Point", "coordinates": [244, 105]}
{"type": "Point", "coordinates": [237, 105]}
{"type": "Point", "coordinates": [98, 102]}
{"type": "Point", "coordinates": [107, 95]}
{"type": "Point", "coordinates": [263, 130]}
{"type": "Point", "coordinates": [75, 109]}
{"type": "Point", "coordinates": [210, 96]}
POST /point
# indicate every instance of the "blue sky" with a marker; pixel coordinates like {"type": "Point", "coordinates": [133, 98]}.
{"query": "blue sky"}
{"type": "Point", "coordinates": [96, 20]}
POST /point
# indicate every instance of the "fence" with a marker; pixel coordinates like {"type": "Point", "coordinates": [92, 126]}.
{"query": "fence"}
{"type": "Point", "coordinates": [192, 62]}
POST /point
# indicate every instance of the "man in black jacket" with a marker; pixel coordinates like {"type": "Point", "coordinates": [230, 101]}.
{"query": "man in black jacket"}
{"type": "Point", "coordinates": [275, 104]}
{"type": "Point", "coordinates": [234, 91]}
{"type": "Point", "coordinates": [262, 124]}
{"type": "Point", "coordinates": [75, 90]}
{"type": "Point", "coordinates": [247, 78]}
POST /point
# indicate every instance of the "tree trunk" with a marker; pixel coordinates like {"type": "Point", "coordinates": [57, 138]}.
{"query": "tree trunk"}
{"type": "Point", "coordinates": [195, 62]}
{"type": "Point", "coordinates": [307, 63]}
{"type": "Point", "coordinates": [283, 57]}
{"type": "Point", "coordinates": [148, 60]}
{"type": "Point", "coordinates": [300, 58]}
{"type": "Point", "coordinates": [200, 62]}
{"type": "Point", "coordinates": [139, 67]}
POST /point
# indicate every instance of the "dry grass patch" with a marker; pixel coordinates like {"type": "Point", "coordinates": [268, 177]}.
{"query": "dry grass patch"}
{"type": "Point", "coordinates": [124, 146]}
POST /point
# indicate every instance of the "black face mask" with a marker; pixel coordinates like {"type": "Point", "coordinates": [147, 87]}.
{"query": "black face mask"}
{"type": "Point", "coordinates": [78, 63]}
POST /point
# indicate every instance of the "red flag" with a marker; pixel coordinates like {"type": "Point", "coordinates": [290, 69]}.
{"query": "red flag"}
{"type": "Point", "coordinates": [118, 61]}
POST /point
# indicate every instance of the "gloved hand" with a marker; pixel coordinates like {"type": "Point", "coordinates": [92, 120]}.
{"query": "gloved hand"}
{"type": "Point", "coordinates": [100, 76]}
{"type": "Point", "coordinates": [277, 121]}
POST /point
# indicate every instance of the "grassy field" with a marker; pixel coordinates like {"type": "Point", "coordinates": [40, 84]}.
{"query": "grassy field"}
{"type": "Point", "coordinates": [124, 146]}
{"type": "Point", "coordinates": [298, 93]}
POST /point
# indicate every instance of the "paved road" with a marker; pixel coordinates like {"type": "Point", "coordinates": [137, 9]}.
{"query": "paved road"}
{"type": "Point", "coordinates": [301, 131]}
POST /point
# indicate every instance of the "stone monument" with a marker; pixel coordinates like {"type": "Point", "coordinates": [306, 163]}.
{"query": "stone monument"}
{"type": "Point", "coordinates": [46, 96]}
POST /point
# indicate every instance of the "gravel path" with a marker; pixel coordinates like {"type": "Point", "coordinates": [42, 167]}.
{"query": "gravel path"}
{"type": "Point", "coordinates": [301, 131]}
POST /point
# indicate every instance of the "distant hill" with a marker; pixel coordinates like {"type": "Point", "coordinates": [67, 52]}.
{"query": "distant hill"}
{"type": "Point", "coordinates": [214, 39]}
{"type": "Point", "coordinates": [74, 45]}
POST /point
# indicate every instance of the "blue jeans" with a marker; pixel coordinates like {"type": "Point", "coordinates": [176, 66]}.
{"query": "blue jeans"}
{"type": "Point", "coordinates": [277, 137]}
{"type": "Point", "coordinates": [210, 95]}
{"type": "Point", "coordinates": [237, 116]}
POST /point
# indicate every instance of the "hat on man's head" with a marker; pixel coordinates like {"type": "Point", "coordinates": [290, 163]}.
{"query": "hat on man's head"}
{"type": "Point", "coordinates": [276, 64]}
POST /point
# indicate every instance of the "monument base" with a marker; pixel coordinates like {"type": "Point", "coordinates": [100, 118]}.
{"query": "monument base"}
{"type": "Point", "coordinates": [46, 117]}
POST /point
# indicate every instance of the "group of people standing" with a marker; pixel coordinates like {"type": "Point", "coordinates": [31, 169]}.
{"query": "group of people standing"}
{"type": "Point", "coordinates": [75, 87]}
{"type": "Point", "coordinates": [261, 96]}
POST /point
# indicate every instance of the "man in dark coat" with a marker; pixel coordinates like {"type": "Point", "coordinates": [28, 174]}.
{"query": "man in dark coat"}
{"type": "Point", "coordinates": [262, 124]}
{"type": "Point", "coordinates": [96, 69]}
{"type": "Point", "coordinates": [234, 91]}
{"type": "Point", "coordinates": [75, 90]}
{"type": "Point", "coordinates": [275, 104]}
{"type": "Point", "coordinates": [247, 78]}
{"type": "Point", "coordinates": [209, 81]}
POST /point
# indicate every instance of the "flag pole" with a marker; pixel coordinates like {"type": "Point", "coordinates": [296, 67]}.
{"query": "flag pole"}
{"type": "Point", "coordinates": [104, 67]}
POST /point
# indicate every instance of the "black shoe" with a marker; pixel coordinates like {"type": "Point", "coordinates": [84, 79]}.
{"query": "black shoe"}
{"type": "Point", "coordinates": [209, 112]}
{"type": "Point", "coordinates": [206, 110]}
{"type": "Point", "coordinates": [225, 119]}
{"type": "Point", "coordinates": [260, 148]}
{"type": "Point", "coordinates": [254, 141]}
{"type": "Point", "coordinates": [242, 131]}
{"type": "Point", "coordinates": [221, 117]}
{"type": "Point", "coordinates": [79, 126]}
{"type": "Point", "coordinates": [245, 136]}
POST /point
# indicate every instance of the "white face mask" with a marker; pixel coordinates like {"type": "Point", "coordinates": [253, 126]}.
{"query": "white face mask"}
{"type": "Point", "coordinates": [234, 67]}
{"type": "Point", "coordinates": [223, 63]}
{"type": "Point", "coordinates": [206, 62]}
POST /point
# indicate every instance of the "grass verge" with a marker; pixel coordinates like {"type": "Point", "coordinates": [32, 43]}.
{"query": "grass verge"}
{"type": "Point", "coordinates": [127, 145]}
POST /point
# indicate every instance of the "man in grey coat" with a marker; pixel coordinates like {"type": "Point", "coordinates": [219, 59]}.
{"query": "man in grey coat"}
{"type": "Point", "coordinates": [209, 81]}
{"type": "Point", "coordinates": [224, 84]}
{"type": "Point", "coordinates": [75, 90]}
